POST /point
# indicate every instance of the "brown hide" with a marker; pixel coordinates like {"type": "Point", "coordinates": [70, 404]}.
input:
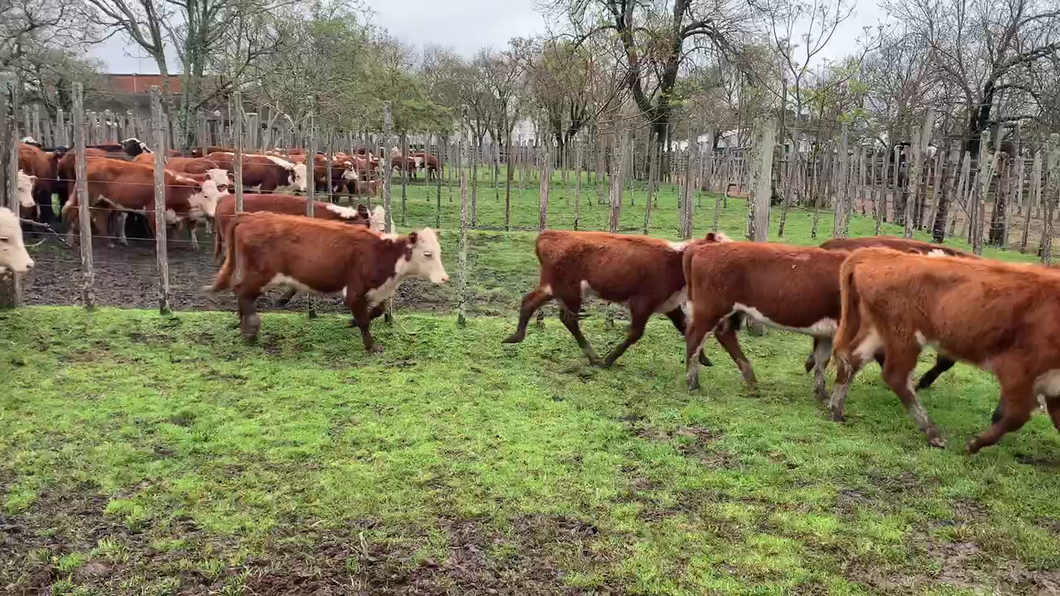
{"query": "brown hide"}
{"type": "Point", "coordinates": [277, 203]}
{"type": "Point", "coordinates": [128, 186]}
{"type": "Point", "coordinates": [197, 151]}
{"type": "Point", "coordinates": [258, 170]}
{"type": "Point", "coordinates": [325, 256]}
{"type": "Point", "coordinates": [642, 272]}
{"type": "Point", "coordinates": [794, 287]}
{"type": "Point", "coordinates": [187, 165]}
{"type": "Point", "coordinates": [1001, 317]}
{"type": "Point", "coordinates": [902, 244]}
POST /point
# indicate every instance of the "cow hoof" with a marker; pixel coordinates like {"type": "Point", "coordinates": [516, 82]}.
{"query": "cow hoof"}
{"type": "Point", "coordinates": [837, 416]}
{"type": "Point", "coordinates": [693, 386]}
{"type": "Point", "coordinates": [375, 349]}
{"type": "Point", "coordinates": [972, 446]}
{"type": "Point", "coordinates": [937, 441]}
{"type": "Point", "coordinates": [822, 394]}
{"type": "Point", "coordinates": [597, 362]}
{"type": "Point", "coordinates": [703, 360]}
{"type": "Point", "coordinates": [512, 339]}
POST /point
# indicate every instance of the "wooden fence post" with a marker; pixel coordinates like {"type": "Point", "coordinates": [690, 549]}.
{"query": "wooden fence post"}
{"type": "Point", "coordinates": [545, 174]}
{"type": "Point", "coordinates": [84, 217]}
{"type": "Point", "coordinates": [579, 154]}
{"type": "Point", "coordinates": [618, 178]}
{"type": "Point", "coordinates": [161, 249]}
{"type": "Point", "coordinates": [1033, 197]}
{"type": "Point", "coordinates": [760, 166]}
{"type": "Point", "coordinates": [945, 192]}
{"type": "Point", "coordinates": [236, 116]}
{"type": "Point", "coordinates": [649, 202]}
{"type": "Point", "coordinates": [388, 204]}
{"type": "Point", "coordinates": [404, 141]}
{"type": "Point", "coordinates": [10, 284]}
{"type": "Point", "coordinates": [60, 128]}
{"type": "Point", "coordinates": [919, 153]}
{"type": "Point", "coordinates": [842, 194]}
{"type": "Point", "coordinates": [461, 316]}
{"type": "Point", "coordinates": [691, 165]}
{"type": "Point", "coordinates": [1049, 198]}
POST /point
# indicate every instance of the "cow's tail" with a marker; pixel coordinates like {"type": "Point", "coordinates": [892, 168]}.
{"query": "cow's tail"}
{"type": "Point", "coordinates": [686, 269]}
{"type": "Point", "coordinates": [850, 310]}
{"type": "Point", "coordinates": [223, 280]}
{"type": "Point", "coordinates": [69, 208]}
{"type": "Point", "coordinates": [218, 229]}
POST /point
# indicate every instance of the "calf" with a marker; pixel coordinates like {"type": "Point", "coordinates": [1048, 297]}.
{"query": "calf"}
{"type": "Point", "coordinates": [289, 205]}
{"type": "Point", "coordinates": [24, 188]}
{"type": "Point", "coordinates": [325, 257]}
{"type": "Point", "coordinates": [13, 254]}
{"type": "Point", "coordinates": [126, 186]}
{"type": "Point", "coordinates": [908, 245]}
{"type": "Point", "coordinates": [641, 272]}
{"type": "Point", "coordinates": [36, 163]}
{"type": "Point", "coordinates": [1003, 318]}
{"type": "Point", "coordinates": [264, 172]}
{"type": "Point", "coordinates": [790, 287]}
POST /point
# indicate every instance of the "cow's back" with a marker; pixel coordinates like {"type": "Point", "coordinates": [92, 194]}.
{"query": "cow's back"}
{"type": "Point", "coordinates": [799, 285]}
{"type": "Point", "coordinates": [907, 245]}
{"type": "Point", "coordinates": [615, 267]}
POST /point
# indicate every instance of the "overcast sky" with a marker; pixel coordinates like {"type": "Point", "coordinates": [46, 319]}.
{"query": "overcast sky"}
{"type": "Point", "coordinates": [464, 25]}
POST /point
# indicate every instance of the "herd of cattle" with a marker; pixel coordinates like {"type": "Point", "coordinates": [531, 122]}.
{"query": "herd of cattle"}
{"type": "Point", "coordinates": [120, 181]}
{"type": "Point", "coordinates": [859, 299]}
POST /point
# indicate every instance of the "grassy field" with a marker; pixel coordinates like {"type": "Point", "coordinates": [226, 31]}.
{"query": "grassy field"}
{"type": "Point", "coordinates": [142, 454]}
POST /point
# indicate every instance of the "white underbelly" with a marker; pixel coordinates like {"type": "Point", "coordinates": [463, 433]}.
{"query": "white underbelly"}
{"type": "Point", "coordinates": [824, 328]}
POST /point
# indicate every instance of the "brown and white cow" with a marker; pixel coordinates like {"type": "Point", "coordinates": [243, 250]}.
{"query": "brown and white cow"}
{"type": "Point", "coordinates": [325, 257]}
{"type": "Point", "coordinates": [13, 254]}
{"type": "Point", "coordinates": [24, 187]}
{"type": "Point", "coordinates": [115, 185]}
{"type": "Point", "coordinates": [342, 171]}
{"type": "Point", "coordinates": [789, 287]}
{"type": "Point", "coordinates": [1001, 317]}
{"type": "Point", "coordinates": [427, 162]}
{"type": "Point", "coordinates": [908, 245]}
{"type": "Point", "coordinates": [286, 204]}
{"type": "Point", "coordinates": [641, 272]}
{"type": "Point", "coordinates": [191, 165]}
{"type": "Point", "coordinates": [266, 173]}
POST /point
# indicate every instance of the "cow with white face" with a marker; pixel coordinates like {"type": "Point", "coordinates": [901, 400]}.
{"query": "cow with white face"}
{"type": "Point", "coordinates": [377, 219]}
{"type": "Point", "coordinates": [299, 180]}
{"type": "Point", "coordinates": [13, 254]}
{"type": "Point", "coordinates": [24, 193]}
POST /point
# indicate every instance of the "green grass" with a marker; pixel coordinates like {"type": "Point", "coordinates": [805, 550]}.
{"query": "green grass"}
{"type": "Point", "coordinates": [142, 454]}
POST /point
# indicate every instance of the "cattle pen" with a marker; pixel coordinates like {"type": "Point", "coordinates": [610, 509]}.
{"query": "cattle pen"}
{"type": "Point", "coordinates": [161, 454]}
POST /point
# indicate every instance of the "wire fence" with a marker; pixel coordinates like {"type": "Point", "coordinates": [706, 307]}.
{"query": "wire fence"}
{"type": "Point", "coordinates": [606, 180]}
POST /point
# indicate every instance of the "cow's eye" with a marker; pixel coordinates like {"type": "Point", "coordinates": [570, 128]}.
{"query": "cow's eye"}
{"type": "Point", "coordinates": [428, 254]}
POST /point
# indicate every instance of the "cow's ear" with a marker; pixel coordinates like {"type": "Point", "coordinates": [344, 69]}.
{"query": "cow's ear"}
{"type": "Point", "coordinates": [413, 236]}
{"type": "Point", "coordinates": [362, 210]}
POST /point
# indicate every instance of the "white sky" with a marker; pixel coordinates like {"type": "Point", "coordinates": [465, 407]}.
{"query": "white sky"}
{"type": "Point", "coordinates": [464, 25]}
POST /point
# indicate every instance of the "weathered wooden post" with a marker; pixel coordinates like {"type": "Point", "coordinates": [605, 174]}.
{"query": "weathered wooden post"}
{"type": "Point", "coordinates": [60, 128]}
{"type": "Point", "coordinates": [980, 191]}
{"type": "Point", "coordinates": [237, 138]}
{"type": "Point", "coordinates": [842, 198]}
{"type": "Point", "coordinates": [441, 156]}
{"type": "Point", "coordinates": [543, 185]}
{"type": "Point", "coordinates": [760, 165]}
{"type": "Point", "coordinates": [388, 203]}
{"type": "Point", "coordinates": [10, 285]}
{"type": "Point", "coordinates": [690, 181]}
{"type": "Point", "coordinates": [461, 316]}
{"type": "Point", "coordinates": [920, 144]}
{"type": "Point", "coordinates": [946, 192]}
{"type": "Point", "coordinates": [161, 249]}
{"type": "Point", "coordinates": [618, 178]}
{"type": "Point", "coordinates": [1034, 197]}
{"type": "Point", "coordinates": [84, 217]}
{"type": "Point", "coordinates": [404, 142]}
{"type": "Point", "coordinates": [1049, 198]}
{"type": "Point", "coordinates": [650, 201]}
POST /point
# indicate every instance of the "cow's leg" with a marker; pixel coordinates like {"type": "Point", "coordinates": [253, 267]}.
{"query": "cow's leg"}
{"type": "Point", "coordinates": [726, 334]}
{"type": "Point", "coordinates": [1052, 404]}
{"type": "Point", "coordinates": [822, 353]}
{"type": "Point", "coordinates": [192, 229]}
{"type": "Point", "coordinates": [680, 321]}
{"type": "Point", "coordinates": [285, 298]}
{"type": "Point", "coordinates": [898, 374]}
{"type": "Point", "coordinates": [570, 321]}
{"type": "Point", "coordinates": [531, 302]}
{"type": "Point", "coordinates": [812, 358]}
{"type": "Point", "coordinates": [942, 364]}
{"type": "Point", "coordinates": [121, 218]}
{"type": "Point", "coordinates": [377, 312]}
{"type": "Point", "coordinates": [1018, 403]}
{"type": "Point", "coordinates": [695, 333]}
{"type": "Point", "coordinates": [639, 313]}
{"type": "Point", "coordinates": [358, 306]}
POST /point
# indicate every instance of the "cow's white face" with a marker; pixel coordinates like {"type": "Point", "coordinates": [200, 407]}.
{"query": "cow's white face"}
{"type": "Point", "coordinates": [426, 261]}
{"type": "Point", "coordinates": [298, 175]}
{"type": "Point", "coordinates": [205, 199]}
{"type": "Point", "coordinates": [13, 254]}
{"type": "Point", "coordinates": [350, 173]}
{"type": "Point", "coordinates": [219, 177]}
{"type": "Point", "coordinates": [24, 194]}
{"type": "Point", "coordinates": [377, 219]}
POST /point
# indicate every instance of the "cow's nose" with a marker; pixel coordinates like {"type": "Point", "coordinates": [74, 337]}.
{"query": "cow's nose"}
{"type": "Point", "coordinates": [29, 266]}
